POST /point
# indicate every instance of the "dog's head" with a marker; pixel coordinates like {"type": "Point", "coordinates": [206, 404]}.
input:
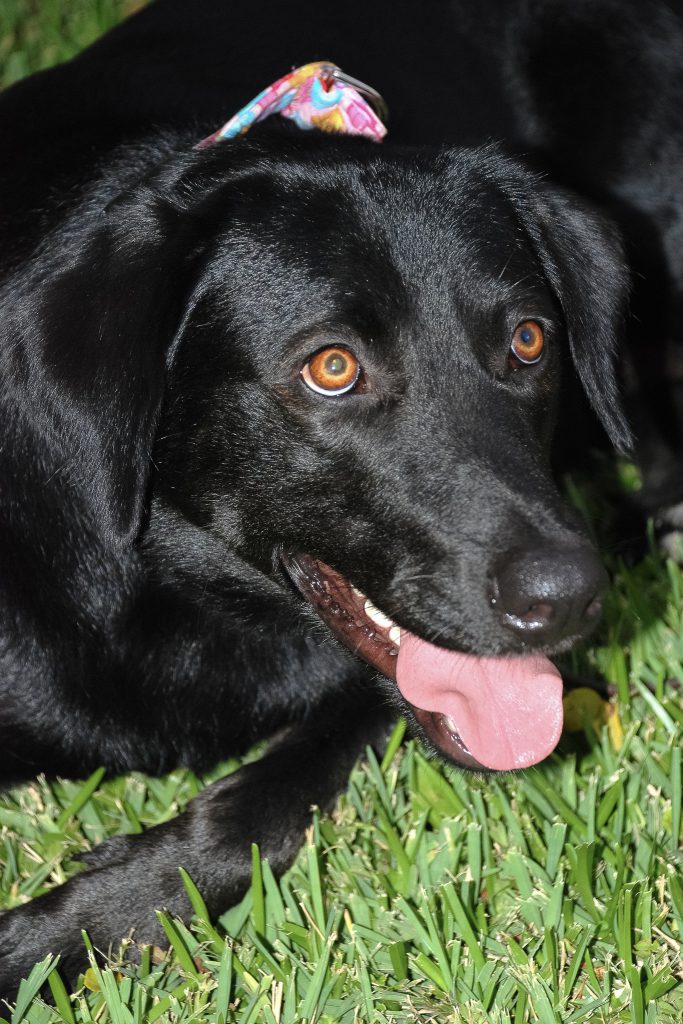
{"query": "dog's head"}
{"type": "Point", "coordinates": [364, 351]}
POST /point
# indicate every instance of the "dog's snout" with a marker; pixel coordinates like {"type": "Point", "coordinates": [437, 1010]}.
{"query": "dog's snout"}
{"type": "Point", "coordinates": [549, 594]}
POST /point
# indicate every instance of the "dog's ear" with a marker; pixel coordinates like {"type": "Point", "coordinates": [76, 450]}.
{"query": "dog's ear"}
{"type": "Point", "coordinates": [584, 263]}
{"type": "Point", "coordinates": [108, 311]}
{"type": "Point", "coordinates": [103, 309]}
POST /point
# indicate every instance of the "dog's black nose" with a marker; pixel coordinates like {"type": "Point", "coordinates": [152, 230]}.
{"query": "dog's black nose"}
{"type": "Point", "coordinates": [547, 594]}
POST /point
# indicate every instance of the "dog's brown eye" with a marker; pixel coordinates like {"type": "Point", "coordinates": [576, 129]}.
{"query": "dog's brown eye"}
{"type": "Point", "coordinates": [527, 342]}
{"type": "Point", "coordinates": [331, 371]}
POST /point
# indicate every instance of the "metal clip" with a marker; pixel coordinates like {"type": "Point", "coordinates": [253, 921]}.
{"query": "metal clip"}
{"type": "Point", "coordinates": [375, 98]}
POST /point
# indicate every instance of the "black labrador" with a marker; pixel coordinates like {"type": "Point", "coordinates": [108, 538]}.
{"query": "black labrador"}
{"type": "Point", "coordinates": [277, 413]}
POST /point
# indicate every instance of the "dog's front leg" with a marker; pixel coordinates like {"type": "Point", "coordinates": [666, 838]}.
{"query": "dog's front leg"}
{"type": "Point", "coordinates": [268, 802]}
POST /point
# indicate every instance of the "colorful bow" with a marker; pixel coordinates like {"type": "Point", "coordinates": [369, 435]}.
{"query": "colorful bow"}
{"type": "Point", "coordinates": [316, 95]}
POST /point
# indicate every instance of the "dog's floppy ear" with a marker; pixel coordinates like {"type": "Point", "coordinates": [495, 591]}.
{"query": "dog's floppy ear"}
{"type": "Point", "coordinates": [585, 265]}
{"type": "Point", "coordinates": [103, 307]}
{"type": "Point", "coordinates": [108, 310]}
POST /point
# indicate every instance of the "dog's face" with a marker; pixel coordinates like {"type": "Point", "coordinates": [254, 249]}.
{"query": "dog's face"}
{"type": "Point", "coordinates": [365, 386]}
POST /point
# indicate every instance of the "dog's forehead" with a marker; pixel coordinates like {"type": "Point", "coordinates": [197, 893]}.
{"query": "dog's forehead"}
{"type": "Point", "coordinates": [379, 241]}
{"type": "Point", "coordinates": [406, 198]}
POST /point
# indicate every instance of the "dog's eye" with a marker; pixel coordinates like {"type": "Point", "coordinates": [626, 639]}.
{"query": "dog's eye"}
{"type": "Point", "coordinates": [331, 371]}
{"type": "Point", "coordinates": [527, 343]}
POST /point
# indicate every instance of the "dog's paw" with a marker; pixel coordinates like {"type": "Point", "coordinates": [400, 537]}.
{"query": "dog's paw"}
{"type": "Point", "coordinates": [28, 933]}
{"type": "Point", "coordinates": [129, 878]}
{"type": "Point", "coordinates": [109, 902]}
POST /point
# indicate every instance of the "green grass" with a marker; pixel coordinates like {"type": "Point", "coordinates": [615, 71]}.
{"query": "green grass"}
{"type": "Point", "coordinates": [35, 34]}
{"type": "Point", "coordinates": [551, 896]}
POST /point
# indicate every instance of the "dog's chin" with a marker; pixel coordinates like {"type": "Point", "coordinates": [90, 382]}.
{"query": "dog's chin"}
{"type": "Point", "coordinates": [508, 709]}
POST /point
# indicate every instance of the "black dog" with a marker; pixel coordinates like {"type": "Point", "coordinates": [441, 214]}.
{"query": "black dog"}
{"type": "Point", "coordinates": [175, 487]}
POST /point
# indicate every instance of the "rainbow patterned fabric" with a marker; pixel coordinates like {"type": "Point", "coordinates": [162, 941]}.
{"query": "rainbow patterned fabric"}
{"type": "Point", "coordinates": [317, 95]}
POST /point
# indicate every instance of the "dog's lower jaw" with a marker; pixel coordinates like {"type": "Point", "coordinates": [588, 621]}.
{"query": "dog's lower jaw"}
{"type": "Point", "coordinates": [445, 692]}
{"type": "Point", "coordinates": [370, 634]}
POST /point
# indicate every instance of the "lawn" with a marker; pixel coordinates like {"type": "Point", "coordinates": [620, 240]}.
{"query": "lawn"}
{"type": "Point", "coordinates": [552, 896]}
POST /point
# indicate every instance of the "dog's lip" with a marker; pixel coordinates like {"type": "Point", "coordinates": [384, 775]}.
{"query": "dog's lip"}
{"type": "Point", "coordinates": [372, 635]}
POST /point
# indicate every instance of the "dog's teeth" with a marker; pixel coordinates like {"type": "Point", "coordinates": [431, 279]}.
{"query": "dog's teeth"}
{"type": "Point", "coordinates": [378, 617]}
{"type": "Point", "coordinates": [450, 725]}
{"type": "Point", "coordinates": [395, 635]}
{"type": "Point", "coordinates": [357, 593]}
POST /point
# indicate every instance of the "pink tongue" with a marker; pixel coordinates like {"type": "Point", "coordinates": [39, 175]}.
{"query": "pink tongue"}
{"type": "Point", "coordinates": [507, 711]}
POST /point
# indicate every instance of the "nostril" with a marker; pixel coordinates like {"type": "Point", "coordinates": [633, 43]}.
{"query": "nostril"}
{"type": "Point", "coordinates": [594, 608]}
{"type": "Point", "coordinates": [537, 616]}
{"type": "Point", "coordinates": [543, 612]}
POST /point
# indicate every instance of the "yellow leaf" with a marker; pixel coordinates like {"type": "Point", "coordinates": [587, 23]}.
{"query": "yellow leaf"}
{"type": "Point", "coordinates": [583, 707]}
{"type": "Point", "coordinates": [91, 981]}
{"type": "Point", "coordinates": [614, 727]}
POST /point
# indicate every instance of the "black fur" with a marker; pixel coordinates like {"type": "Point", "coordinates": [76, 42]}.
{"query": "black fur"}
{"type": "Point", "coordinates": [159, 450]}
